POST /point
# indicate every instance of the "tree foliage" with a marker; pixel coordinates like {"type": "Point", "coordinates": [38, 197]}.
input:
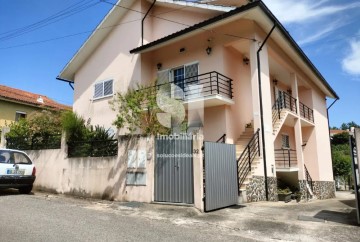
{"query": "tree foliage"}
{"type": "Point", "coordinates": [347, 126]}
{"type": "Point", "coordinates": [137, 111]}
{"type": "Point", "coordinates": [341, 155]}
{"type": "Point", "coordinates": [340, 139]}
{"type": "Point", "coordinates": [43, 123]}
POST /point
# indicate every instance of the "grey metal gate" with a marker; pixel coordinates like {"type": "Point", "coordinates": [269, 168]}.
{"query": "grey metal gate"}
{"type": "Point", "coordinates": [174, 170]}
{"type": "Point", "coordinates": [221, 181]}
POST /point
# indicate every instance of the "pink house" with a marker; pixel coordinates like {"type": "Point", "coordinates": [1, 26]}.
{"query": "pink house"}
{"type": "Point", "coordinates": [225, 49]}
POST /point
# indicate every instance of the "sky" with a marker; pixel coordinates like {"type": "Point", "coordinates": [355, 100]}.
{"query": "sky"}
{"type": "Point", "coordinates": [38, 38]}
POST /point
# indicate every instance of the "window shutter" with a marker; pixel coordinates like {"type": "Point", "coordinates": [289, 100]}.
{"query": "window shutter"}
{"type": "Point", "coordinates": [191, 73]}
{"type": "Point", "coordinates": [163, 77]}
{"type": "Point", "coordinates": [108, 88]}
{"type": "Point", "coordinates": [98, 90]}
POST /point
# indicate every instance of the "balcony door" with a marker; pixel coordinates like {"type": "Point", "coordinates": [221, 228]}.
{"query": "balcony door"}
{"type": "Point", "coordinates": [183, 77]}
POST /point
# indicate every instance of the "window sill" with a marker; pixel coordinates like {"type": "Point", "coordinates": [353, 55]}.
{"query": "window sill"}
{"type": "Point", "coordinates": [100, 98]}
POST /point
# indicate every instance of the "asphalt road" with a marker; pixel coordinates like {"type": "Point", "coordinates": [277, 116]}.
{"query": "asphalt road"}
{"type": "Point", "coordinates": [42, 217]}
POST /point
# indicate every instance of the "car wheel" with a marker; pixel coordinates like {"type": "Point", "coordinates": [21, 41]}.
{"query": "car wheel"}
{"type": "Point", "coordinates": [25, 190]}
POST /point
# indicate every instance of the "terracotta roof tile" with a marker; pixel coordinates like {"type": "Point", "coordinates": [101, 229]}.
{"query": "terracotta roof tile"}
{"type": "Point", "coordinates": [13, 94]}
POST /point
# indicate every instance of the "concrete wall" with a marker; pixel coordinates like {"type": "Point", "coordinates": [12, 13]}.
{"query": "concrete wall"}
{"type": "Point", "coordinates": [100, 177]}
{"type": "Point", "coordinates": [106, 177]}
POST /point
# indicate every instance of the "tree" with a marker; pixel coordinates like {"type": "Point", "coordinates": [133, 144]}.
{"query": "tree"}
{"type": "Point", "coordinates": [341, 156]}
{"type": "Point", "coordinates": [347, 126]}
{"type": "Point", "coordinates": [340, 139]}
{"type": "Point", "coordinates": [138, 110]}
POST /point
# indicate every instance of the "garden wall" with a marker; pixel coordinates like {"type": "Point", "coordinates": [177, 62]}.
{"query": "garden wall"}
{"type": "Point", "coordinates": [99, 177]}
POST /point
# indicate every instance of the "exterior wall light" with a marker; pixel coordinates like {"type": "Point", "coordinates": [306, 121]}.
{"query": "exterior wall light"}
{"type": "Point", "coordinates": [246, 61]}
{"type": "Point", "coordinates": [208, 50]}
{"type": "Point", "coordinates": [158, 65]}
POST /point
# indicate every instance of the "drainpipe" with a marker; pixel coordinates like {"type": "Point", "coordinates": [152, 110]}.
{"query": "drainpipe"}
{"type": "Point", "coordinates": [64, 80]}
{"type": "Point", "coordinates": [261, 110]}
{"type": "Point", "coordinates": [327, 114]}
{"type": "Point", "coordinates": [142, 22]}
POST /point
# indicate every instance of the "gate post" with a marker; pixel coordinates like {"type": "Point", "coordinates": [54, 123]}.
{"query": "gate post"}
{"type": "Point", "coordinates": [198, 167]}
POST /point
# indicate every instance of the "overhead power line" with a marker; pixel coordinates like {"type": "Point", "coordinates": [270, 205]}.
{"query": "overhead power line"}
{"type": "Point", "coordinates": [65, 13]}
{"type": "Point", "coordinates": [116, 25]}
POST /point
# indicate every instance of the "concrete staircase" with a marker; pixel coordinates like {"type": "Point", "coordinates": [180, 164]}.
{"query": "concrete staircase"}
{"type": "Point", "coordinates": [279, 122]}
{"type": "Point", "coordinates": [241, 145]}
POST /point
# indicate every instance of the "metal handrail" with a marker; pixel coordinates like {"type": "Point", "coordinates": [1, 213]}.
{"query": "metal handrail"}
{"type": "Point", "coordinates": [222, 139]}
{"type": "Point", "coordinates": [276, 111]}
{"type": "Point", "coordinates": [247, 156]}
{"type": "Point", "coordinates": [306, 112]}
{"type": "Point", "coordinates": [210, 83]}
{"type": "Point", "coordinates": [308, 178]}
{"type": "Point", "coordinates": [285, 158]}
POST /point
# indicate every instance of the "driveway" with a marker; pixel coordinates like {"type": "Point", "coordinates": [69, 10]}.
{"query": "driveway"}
{"type": "Point", "coordinates": [48, 217]}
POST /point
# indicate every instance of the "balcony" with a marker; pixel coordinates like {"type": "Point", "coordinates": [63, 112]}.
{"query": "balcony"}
{"type": "Point", "coordinates": [212, 88]}
{"type": "Point", "coordinates": [286, 102]}
{"type": "Point", "coordinates": [286, 160]}
{"type": "Point", "coordinates": [306, 112]}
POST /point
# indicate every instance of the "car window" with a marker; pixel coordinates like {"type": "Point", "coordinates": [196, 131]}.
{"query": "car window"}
{"type": "Point", "coordinates": [20, 158]}
{"type": "Point", "coordinates": [5, 156]}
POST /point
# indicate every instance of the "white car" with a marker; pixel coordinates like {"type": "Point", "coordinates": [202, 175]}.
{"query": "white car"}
{"type": "Point", "coordinates": [16, 170]}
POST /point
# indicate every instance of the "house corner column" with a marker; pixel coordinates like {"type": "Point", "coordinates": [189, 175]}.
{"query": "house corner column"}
{"type": "Point", "coordinates": [267, 116]}
{"type": "Point", "coordinates": [297, 129]}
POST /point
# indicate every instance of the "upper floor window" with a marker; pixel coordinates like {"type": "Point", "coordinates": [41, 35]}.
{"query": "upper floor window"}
{"type": "Point", "coordinates": [285, 141]}
{"type": "Point", "coordinates": [103, 89]}
{"type": "Point", "coordinates": [19, 115]}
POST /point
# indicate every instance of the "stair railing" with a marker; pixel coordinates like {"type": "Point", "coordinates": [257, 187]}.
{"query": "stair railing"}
{"type": "Point", "coordinates": [222, 139]}
{"type": "Point", "coordinates": [247, 156]}
{"type": "Point", "coordinates": [276, 111]}
{"type": "Point", "coordinates": [308, 178]}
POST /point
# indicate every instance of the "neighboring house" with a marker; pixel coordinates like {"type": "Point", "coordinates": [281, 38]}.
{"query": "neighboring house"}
{"type": "Point", "coordinates": [337, 131]}
{"type": "Point", "coordinates": [214, 48]}
{"type": "Point", "coordinates": [16, 104]}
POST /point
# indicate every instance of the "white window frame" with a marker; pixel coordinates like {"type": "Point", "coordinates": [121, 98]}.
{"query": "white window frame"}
{"type": "Point", "coordinates": [103, 89]}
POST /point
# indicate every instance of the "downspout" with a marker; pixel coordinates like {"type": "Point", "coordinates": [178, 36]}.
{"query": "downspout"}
{"type": "Point", "coordinates": [142, 22]}
{"type": "Point", "coordinates": [64, 80]}
{"type": "Point", "coordinates": [327, 114]}
{"type": "Point", "coordinates": [261, 110]}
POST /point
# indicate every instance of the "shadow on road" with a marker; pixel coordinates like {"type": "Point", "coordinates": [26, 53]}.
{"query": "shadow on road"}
{"type": "Point", "coordinates": [11, 192]}
{"type": "Point", "coordinates": [349, 202]}
{"type": "Point", "coordinates": [347, 217]}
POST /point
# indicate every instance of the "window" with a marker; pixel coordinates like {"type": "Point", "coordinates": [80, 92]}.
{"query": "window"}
{"type": "Point", "coordinates": [103, 89]}
{"type": "Point", "coordinates": [285, 141]}
{"type": "Point", "coordinates": [19, 115]}
{"type": "Point", "coordinates": [182, 76]}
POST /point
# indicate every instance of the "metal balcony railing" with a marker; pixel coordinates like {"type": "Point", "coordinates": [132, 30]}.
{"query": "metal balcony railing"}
{"type": "Point", "coordinates": [203, 85]}
{"type": "Point", "coordinates": [306, 112]}
{"type": "Point", "coordinates": [285, 158]}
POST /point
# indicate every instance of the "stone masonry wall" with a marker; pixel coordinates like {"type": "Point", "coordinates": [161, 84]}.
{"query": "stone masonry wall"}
{"type": "Point", "coordinates": [324, 189]}
{"type": "Point", "coordinates": [255, 190]}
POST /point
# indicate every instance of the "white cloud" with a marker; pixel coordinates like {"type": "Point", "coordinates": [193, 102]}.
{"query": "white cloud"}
{"type": "Point", "coordinates": [327, 30]}
{"type": "Point", "coordinates": [351, 63]}
{"type": "Point", "coordinates": [295, 11]}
